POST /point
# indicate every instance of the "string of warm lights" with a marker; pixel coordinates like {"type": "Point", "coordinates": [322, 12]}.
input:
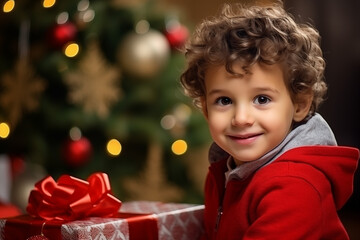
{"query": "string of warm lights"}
{"type": "Point", "coordinates": [71, 49]}
{"type": "Point", "coordinates": [179, 116]}
{"type": "Point", "coordinates": [113, 146]}
{"type": "Point", "coordinates": [9, 5]}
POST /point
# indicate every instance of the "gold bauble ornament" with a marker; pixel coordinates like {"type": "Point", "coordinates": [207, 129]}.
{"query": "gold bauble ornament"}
{"type": "Point", "coordinates": [143, 54]}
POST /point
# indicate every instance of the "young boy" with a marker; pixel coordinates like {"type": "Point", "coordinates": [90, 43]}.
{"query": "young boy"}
{"type": "Point", "coordinates": [276, 171]}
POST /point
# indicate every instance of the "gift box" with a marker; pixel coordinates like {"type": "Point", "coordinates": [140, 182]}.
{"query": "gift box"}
{"type": "Point", "coordinates": [75, 209]}
{"type": "Point", "coordinates": [135, 220]}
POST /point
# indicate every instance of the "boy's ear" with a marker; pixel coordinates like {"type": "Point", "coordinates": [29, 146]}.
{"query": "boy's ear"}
{"type": "Point", "coordinates": [203, 107]}
{"type": "Point", "coordinates": [302, 107]}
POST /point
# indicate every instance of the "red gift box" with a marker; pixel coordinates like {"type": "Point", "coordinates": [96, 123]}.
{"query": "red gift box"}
{"type": "Point", "coordinates": [136, 220]}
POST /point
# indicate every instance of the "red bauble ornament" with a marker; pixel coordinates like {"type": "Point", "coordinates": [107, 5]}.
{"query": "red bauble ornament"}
{"type": "Point", "coordinates": [61, 34]}
{"type": "Point", "coordinates": [177, 35]}
{"type": "Point", "coordinates": [77, 152]}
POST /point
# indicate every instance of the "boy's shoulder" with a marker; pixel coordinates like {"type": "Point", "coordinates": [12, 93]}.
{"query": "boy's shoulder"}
{"type": "Point", "coordinates": [328, 160]}
{"type": "Point", "coordinates": [324, 168]}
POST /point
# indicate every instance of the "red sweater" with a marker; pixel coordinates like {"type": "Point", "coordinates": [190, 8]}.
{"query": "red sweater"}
{"type": "Point", "coordinates": [295, 197]}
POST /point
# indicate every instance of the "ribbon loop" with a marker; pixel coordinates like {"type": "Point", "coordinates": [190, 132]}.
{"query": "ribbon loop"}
{"type": "Point", "coordinates": [71, 198]}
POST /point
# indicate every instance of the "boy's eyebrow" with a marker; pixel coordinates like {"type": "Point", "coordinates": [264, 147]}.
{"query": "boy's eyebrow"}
{"type": "Point", "coordinates": [215, 91]}
{"type": "Point", "coordinates": [266, 89]}
{"type": "Point", "coordinates": [258, 89]}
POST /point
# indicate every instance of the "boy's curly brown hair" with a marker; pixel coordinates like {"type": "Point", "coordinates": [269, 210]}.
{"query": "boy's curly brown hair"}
{"type": "Point", "coordinates": [256, 34]}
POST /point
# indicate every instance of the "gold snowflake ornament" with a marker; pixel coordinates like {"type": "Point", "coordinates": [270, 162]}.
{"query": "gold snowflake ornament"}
{"type": "Point", "coordinates": [94, 85]}
{"type": "Point", "coordinates": [21, 91]}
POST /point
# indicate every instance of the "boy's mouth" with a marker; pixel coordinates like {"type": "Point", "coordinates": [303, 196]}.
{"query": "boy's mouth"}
{"type": "Point", "coordinates": [245, 138]}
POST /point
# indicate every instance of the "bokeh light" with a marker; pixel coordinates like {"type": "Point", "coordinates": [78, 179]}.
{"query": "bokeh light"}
{"type": "Point", "coordinates": [83, 5]}
{"type": "Point", "coordinates": [71, 50]}
{"type": "Point", "coordinates": [8, 6]}
{"type": "Point", "coordinates": [4, 130]}
{"type": "Point", "coordinates": [48, 3]}
{"type": "Point", "coordinates": [114, 147]}
{"type": "Point", "coordinates": [182, 112]}
{"type": "Point", "coordinates": [179, 147]}
{"type": "Point", "coordinates": [62, 18]}
{"type": "Point", "coordinates": [75, 133]}
{"type": "Point", "coordinates": [142, 27]}
{"type": "Point", "coordinates": [168, 122]}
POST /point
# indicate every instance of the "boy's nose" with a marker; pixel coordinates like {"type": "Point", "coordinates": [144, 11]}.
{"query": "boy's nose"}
{"type": "Point", "coordinates": [242, 116]}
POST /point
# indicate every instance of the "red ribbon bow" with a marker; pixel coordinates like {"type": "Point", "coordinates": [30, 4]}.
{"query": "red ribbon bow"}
{"type": "Point", "coordinates": [71, 198]}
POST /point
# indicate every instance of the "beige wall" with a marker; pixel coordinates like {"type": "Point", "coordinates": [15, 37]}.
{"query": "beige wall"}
{"type": "Point", "coordinates": [195, 10]}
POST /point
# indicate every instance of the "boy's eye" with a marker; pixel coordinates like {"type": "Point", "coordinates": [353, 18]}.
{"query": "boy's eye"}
{"type": "Point", "coordinates": [223, 101]}
{"type": "Point", "coordinates": [261, 100]}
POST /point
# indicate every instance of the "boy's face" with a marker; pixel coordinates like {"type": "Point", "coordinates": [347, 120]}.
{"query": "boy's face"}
{"type": "Point", "coordinates": [250, 115]}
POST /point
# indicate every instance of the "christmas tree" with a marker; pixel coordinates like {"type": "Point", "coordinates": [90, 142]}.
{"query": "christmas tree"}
{"type": "Point", "coordinates": [91, 86]}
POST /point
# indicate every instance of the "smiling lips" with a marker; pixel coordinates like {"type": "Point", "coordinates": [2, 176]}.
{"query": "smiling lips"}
{"type": "Point", "coordinates": [245, 138]}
